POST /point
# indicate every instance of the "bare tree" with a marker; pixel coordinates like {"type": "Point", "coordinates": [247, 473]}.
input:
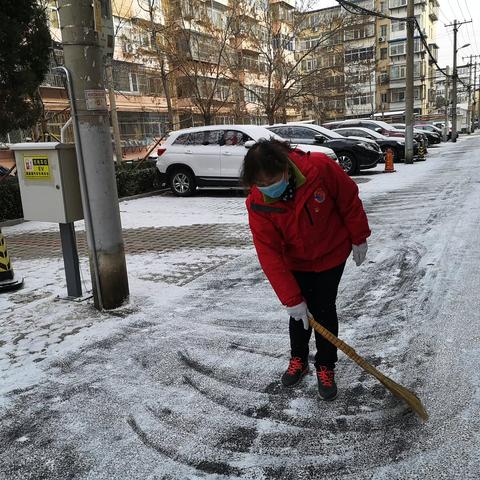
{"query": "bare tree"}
{"type": "Point", "coordinates": [197, 46]}
{"type": "Point", "coordinates": [158, 33]}
{"type": "Point", "coordinates": [271, 33]}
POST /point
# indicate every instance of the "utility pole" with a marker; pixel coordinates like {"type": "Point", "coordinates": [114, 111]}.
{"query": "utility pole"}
{"type": "Point", "coordinates": [409, 83]}
{"type": "Point", "coordinates": [456, 25]}
{"type": "Point", "coordinates": [469, 90]}
{"type": "Point", "coordinates": [474, 106]}
{"type": "Point", "coordinates": [447, 100]}
{"type": "Point", "coordinates": [84, 61]}
{"type": "Point", "coordinates": [113, 110]}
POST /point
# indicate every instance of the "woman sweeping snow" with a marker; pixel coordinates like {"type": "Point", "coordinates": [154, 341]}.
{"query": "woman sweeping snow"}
{"type": "Point", "coordinates": [306, 217]}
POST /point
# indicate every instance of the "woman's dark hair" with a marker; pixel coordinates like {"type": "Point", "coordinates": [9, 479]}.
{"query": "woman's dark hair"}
{"type": "Point", "coordinates": [266, 158]}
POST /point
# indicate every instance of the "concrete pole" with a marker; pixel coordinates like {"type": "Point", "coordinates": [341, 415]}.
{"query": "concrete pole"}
{"type": "Point", "coordinates": [113, 111]}
{"type": "Point", "coordinates": [83, 57]}
{"type": "Point", "coordinates": [409, 83]}
{"type": "Point", "coordinates": [474, 105]}
{"type": "Point", "coordinates": [454, 83]}
{"type": "Point", "coordinates": [447, 100]}
{"type": "Point", "coordinates": [469, 107]}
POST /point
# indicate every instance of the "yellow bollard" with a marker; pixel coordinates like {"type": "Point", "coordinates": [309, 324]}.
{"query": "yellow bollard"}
{"type": "Point", "coordinates": [8, 281]}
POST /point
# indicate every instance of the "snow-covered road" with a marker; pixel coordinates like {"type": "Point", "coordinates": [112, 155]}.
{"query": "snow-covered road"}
{"type": "Point", "coordinates": [183, 383]}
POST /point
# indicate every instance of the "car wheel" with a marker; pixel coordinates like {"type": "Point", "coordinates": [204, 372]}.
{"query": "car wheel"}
{"type": "Point", "coordinates": [348, 162]}
{"type": "Point", "coordinates": [182, 182]}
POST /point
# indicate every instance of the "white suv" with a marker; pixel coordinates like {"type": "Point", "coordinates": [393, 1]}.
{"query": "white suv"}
{"type": "Point", "coordinates": [211, 156]}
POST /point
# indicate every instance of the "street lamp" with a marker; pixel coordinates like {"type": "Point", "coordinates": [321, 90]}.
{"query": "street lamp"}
{"type": "Point", "coordinates": [454, 88]}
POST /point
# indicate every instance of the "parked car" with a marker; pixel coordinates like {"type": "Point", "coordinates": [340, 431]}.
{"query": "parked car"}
{"type": "Point", "coordinates": [441, 126]}
{"type": "Point", "coordinates": [376, 125]}
{"type": "Point", "coordinates": [430, 128]}
{"type": "Point", "coordinates": [212, 156]}
{"type": "Point", "coordinates": [353, 155]}
{"type": "Point", "coordinates": [397, 144]}
{"type": "Point", "coordinates": [431, 137]}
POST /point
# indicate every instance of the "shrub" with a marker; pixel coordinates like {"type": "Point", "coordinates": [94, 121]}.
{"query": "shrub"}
{"type": "Point", "coordinates": [10, 202]}
{"type": "Point", "coordinates": [132, 179]}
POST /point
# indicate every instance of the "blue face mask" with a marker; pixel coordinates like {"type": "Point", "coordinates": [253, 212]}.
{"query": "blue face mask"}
{"type": "Point", "coordinates": [276, 189]}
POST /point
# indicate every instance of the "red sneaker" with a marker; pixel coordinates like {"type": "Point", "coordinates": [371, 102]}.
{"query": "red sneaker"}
{"type": "Point", "coordinates": [327, 388]}
{"type": "Point", "coordinates": [296, 370]}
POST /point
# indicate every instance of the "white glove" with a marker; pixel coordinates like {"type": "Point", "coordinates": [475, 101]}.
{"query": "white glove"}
{"type": "Point", "coordinates": [300, 312]}
{"type": "Point", "coordinates": [359, 253]}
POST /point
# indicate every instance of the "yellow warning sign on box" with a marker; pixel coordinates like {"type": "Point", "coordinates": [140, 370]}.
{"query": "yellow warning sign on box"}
{"type": "Point", "coordinates": [36, 167]}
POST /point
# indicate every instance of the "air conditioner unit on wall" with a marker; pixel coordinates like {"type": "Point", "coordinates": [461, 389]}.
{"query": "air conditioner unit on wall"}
{"type": "Point", "coordinates": [381, 39]}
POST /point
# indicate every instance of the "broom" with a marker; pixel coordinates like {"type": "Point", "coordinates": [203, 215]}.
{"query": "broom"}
{"type": "Point", "coordinates": [398, 390]}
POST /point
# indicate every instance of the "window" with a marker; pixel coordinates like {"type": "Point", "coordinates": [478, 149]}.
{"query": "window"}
{"type": "Point", "coordinates": [133, 82]}
{"type": "Point", "coordinates": [397, 71]}
{"type": "Point", "coordinates": [384, 98]}
{"type": "Point", "coordinates": [398, 3]}
{"type": "Point", "coordinates": [309, 64]}
{"type": "Point", "coordinates": [302, 132]}
{"type": "Point", "coordinates": [281, 131]}
{"type": "Point", "coordinates": [383, 53]}
{"type": "Point", "coordinates": [213, 137]}
{"type": "Point", "coordinates": [398, 26]}
{"type": "Point", "coordinates": [207, 137]}
{"type": "Point", "coordinates": [196, 138]}
{"type": "Point", "coordinates": [358, 33]}
{"type": "Point", "coordinates": [358, 78]}
{"type": "Point", "coordinates": [398, 95]}
{"type": "Point", "coordinates": [181, 139]}
{"type": "Point", "coordinates": [383, 31]}
{"type": "Point", "coordinates": [234, 137]}
{"type": "Point", "coordinates": [334, 81]}
{"type": "Point", "coordinates": [397, 49]}
{"type": "Point", "coordinates": [362, 99]}
{"type": "Point", "coordinates": [358, 54]}
{"type": "Point", "coordinates": [217, 17]}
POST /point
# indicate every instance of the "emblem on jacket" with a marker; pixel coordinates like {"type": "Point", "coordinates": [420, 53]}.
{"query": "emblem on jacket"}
{"type": "Point", "coordinates": [319, 195]}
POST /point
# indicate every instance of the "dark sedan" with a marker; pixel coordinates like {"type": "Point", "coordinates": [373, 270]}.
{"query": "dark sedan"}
{"type": "Point", "coordinates": [432, 137]}
{"type": "Point", "coordinates": [353, 155]}
{"type": "Point", "coordinates": [396, 144]}
{"type": "Point", "coordinates": [376, 125]}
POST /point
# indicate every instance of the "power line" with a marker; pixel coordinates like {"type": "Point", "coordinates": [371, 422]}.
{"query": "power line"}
{"type": "Point", "coordinates": [471, 26]}
{"type": "Point", "coordinates": [358, 10]}
{"type": "Point", "coordinates": [364, 11]}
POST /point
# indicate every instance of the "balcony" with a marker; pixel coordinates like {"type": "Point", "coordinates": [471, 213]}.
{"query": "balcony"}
{"type": "Point", "coordinates": [403, 3]}
{"type": "Point", "coordinates": [398, 35]}
{"type": "Point", "coordinates": [434, 11]}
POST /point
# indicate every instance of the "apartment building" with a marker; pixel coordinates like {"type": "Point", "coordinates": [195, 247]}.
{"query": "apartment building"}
{"type": "Point", "coordinates": [391, 57]}
{"type": "Point", "coordinates": [346, 59]}
{"type": "Point", "coordinates": [190, 62]}
{"type": "Point", "coordinates": [187, 62]}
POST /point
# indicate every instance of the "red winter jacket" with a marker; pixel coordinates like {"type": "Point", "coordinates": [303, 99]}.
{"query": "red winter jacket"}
{"type": "Point", "coordinates": [314, 231]}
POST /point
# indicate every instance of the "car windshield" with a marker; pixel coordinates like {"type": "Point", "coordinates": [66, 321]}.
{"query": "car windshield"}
{"type": "Point", "coordinates": [385, 125]}
{"type": "Point", "coordinates": [326, 132]}
{"type": "Point", "coordinates": [373, 133]}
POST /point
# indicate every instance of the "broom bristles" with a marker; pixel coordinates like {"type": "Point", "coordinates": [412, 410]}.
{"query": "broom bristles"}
{"type": "Point", "coordinates": [398, 390]}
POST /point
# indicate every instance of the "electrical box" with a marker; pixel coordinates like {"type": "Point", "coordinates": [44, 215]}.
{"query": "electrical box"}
{"type": "Point", "coordinates": [49, 182]}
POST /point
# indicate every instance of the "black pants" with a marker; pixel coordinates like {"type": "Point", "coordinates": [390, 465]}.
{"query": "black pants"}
{"type": "Point", "coordinates": [320, 292]}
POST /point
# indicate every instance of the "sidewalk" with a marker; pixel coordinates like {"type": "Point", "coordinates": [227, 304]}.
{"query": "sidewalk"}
{"type": "Point", "coordinates": [183, 381]}
{"type": "Point", "coordinates": [30, 246]}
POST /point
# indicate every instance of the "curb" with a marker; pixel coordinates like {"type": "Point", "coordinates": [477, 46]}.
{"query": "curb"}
{"type": "Point", "coordinates": [17, 221]}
